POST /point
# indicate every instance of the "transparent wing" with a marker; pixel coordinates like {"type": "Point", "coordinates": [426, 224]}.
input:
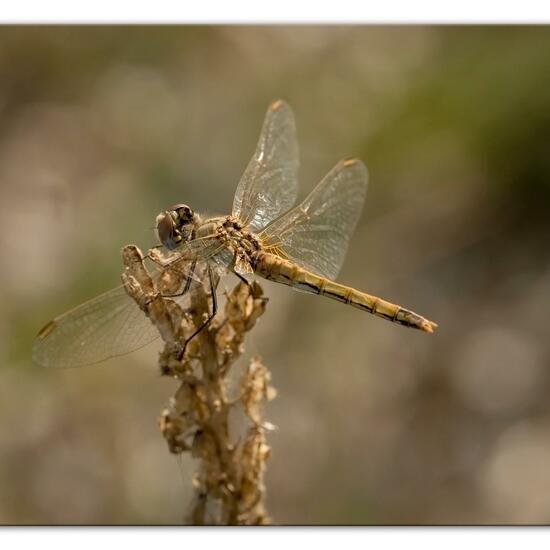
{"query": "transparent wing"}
{"type": "Point", "coordinates": [106, 326]}
{"type": "Point", "coordinates": [316, 233]}
{"type": "Point", "coordinates": [110, 324]}
{"type": "Point", "coordinates": [269, 185]}
{"type": "Point", "coordinates": [203, 248]}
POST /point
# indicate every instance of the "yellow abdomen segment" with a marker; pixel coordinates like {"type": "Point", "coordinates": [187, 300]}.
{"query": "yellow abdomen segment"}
{"type": "Point", "coordinates": [276, 269]}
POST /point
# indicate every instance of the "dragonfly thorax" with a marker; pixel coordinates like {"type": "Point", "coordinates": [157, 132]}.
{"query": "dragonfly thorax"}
{"type": "Point", "coordinates": [235, 234]}
{"type": "Point", "coordinates": [176, 225]}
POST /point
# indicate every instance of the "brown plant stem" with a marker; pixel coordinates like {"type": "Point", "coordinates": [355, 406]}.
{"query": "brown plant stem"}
{"type": "Point", "coordinates": [228, 485]}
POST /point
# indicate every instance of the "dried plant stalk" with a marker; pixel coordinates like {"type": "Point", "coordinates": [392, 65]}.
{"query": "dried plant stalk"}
{"type": "Point", "coordinates": [229, 484]}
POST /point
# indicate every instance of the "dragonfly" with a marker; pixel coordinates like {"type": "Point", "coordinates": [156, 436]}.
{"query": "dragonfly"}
{"type": "Point", "coordinates": [300, 246]}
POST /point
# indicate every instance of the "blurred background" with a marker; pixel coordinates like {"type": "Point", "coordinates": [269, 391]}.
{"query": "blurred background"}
{"type": "Point", "coordinates": [103, 127]}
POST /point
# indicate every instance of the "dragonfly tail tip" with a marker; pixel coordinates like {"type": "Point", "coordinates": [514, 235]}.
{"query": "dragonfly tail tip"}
{"type": "Point", "coordinates": [428, 326]}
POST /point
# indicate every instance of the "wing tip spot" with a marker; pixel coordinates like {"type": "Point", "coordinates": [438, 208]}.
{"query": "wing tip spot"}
{"type": "Point", "coordinates": [350, 161]}
{"type": "Point", "coordinates": [46, 330]}
{"type": "Point", "coordinates": [275, 105]}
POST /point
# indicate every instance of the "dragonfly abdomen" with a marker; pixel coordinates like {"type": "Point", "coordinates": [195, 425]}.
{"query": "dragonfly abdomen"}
{"type": "Point", "coordinates": [390, 312]}
{"type": "Point", "coordinates": [276, 269]}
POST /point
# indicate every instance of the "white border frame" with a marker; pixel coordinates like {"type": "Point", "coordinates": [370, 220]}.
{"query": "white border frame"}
{"type": "Point", "coordinates": [281, 11]}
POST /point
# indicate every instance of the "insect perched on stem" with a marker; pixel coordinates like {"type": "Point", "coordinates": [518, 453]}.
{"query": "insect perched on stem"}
{"type": "Point", "coordinates": [302, 247]}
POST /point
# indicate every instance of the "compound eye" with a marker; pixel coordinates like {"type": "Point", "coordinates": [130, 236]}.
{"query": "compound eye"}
{"type": "Point", "coordinates": [167, 232]}
{"type": "Point", "coordinates": [185, 214]}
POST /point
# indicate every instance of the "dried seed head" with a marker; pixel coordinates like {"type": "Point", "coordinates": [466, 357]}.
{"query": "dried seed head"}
{"type": "Point", "coordinates": [229, 485]}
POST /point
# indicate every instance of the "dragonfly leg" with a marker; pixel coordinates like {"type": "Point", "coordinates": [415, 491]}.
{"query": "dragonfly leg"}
{"type": "Point", "coordinates": [251, 288]}
{"type": "Point", "coordinates": [207, 322]}
{"type": "Point", "coordinates": [153, 258]}
{"type": "Point", "coordinates": [185, 290]}
{"type": "Point", "coordinates": [243, 279]}
{"type": "Point", "coordinates": [188, 282]}
{"type": "Point", "coordinates": [161, 261]}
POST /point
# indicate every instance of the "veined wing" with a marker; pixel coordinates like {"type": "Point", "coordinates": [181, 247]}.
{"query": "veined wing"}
{"type": "Point", "coordinates": [205, 249]}
{"type": "Point", "coordinates": [269, 185]}
{"type": "Point", "coordinates": [106, 326]}
{"type": "Point", "coordinates": [110, 324]}
{"type": "Point", "coordinates": [316, 233]}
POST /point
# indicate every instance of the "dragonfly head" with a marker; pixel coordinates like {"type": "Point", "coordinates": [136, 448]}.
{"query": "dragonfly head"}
{"type": "Point", "coordinates": [175, 225]}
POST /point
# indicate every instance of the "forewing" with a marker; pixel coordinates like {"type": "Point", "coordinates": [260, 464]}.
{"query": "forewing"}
{"type": "Point", "coordinates": [106, 326]}
{"type": "Point", "coordinates": [316, 233]}
{"type": "Point", "coordinates": [269, 185]}
{"type": "Point", "coordinates": [112, 324]}
{"type": "Point", "coordinates": [207, 250]}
